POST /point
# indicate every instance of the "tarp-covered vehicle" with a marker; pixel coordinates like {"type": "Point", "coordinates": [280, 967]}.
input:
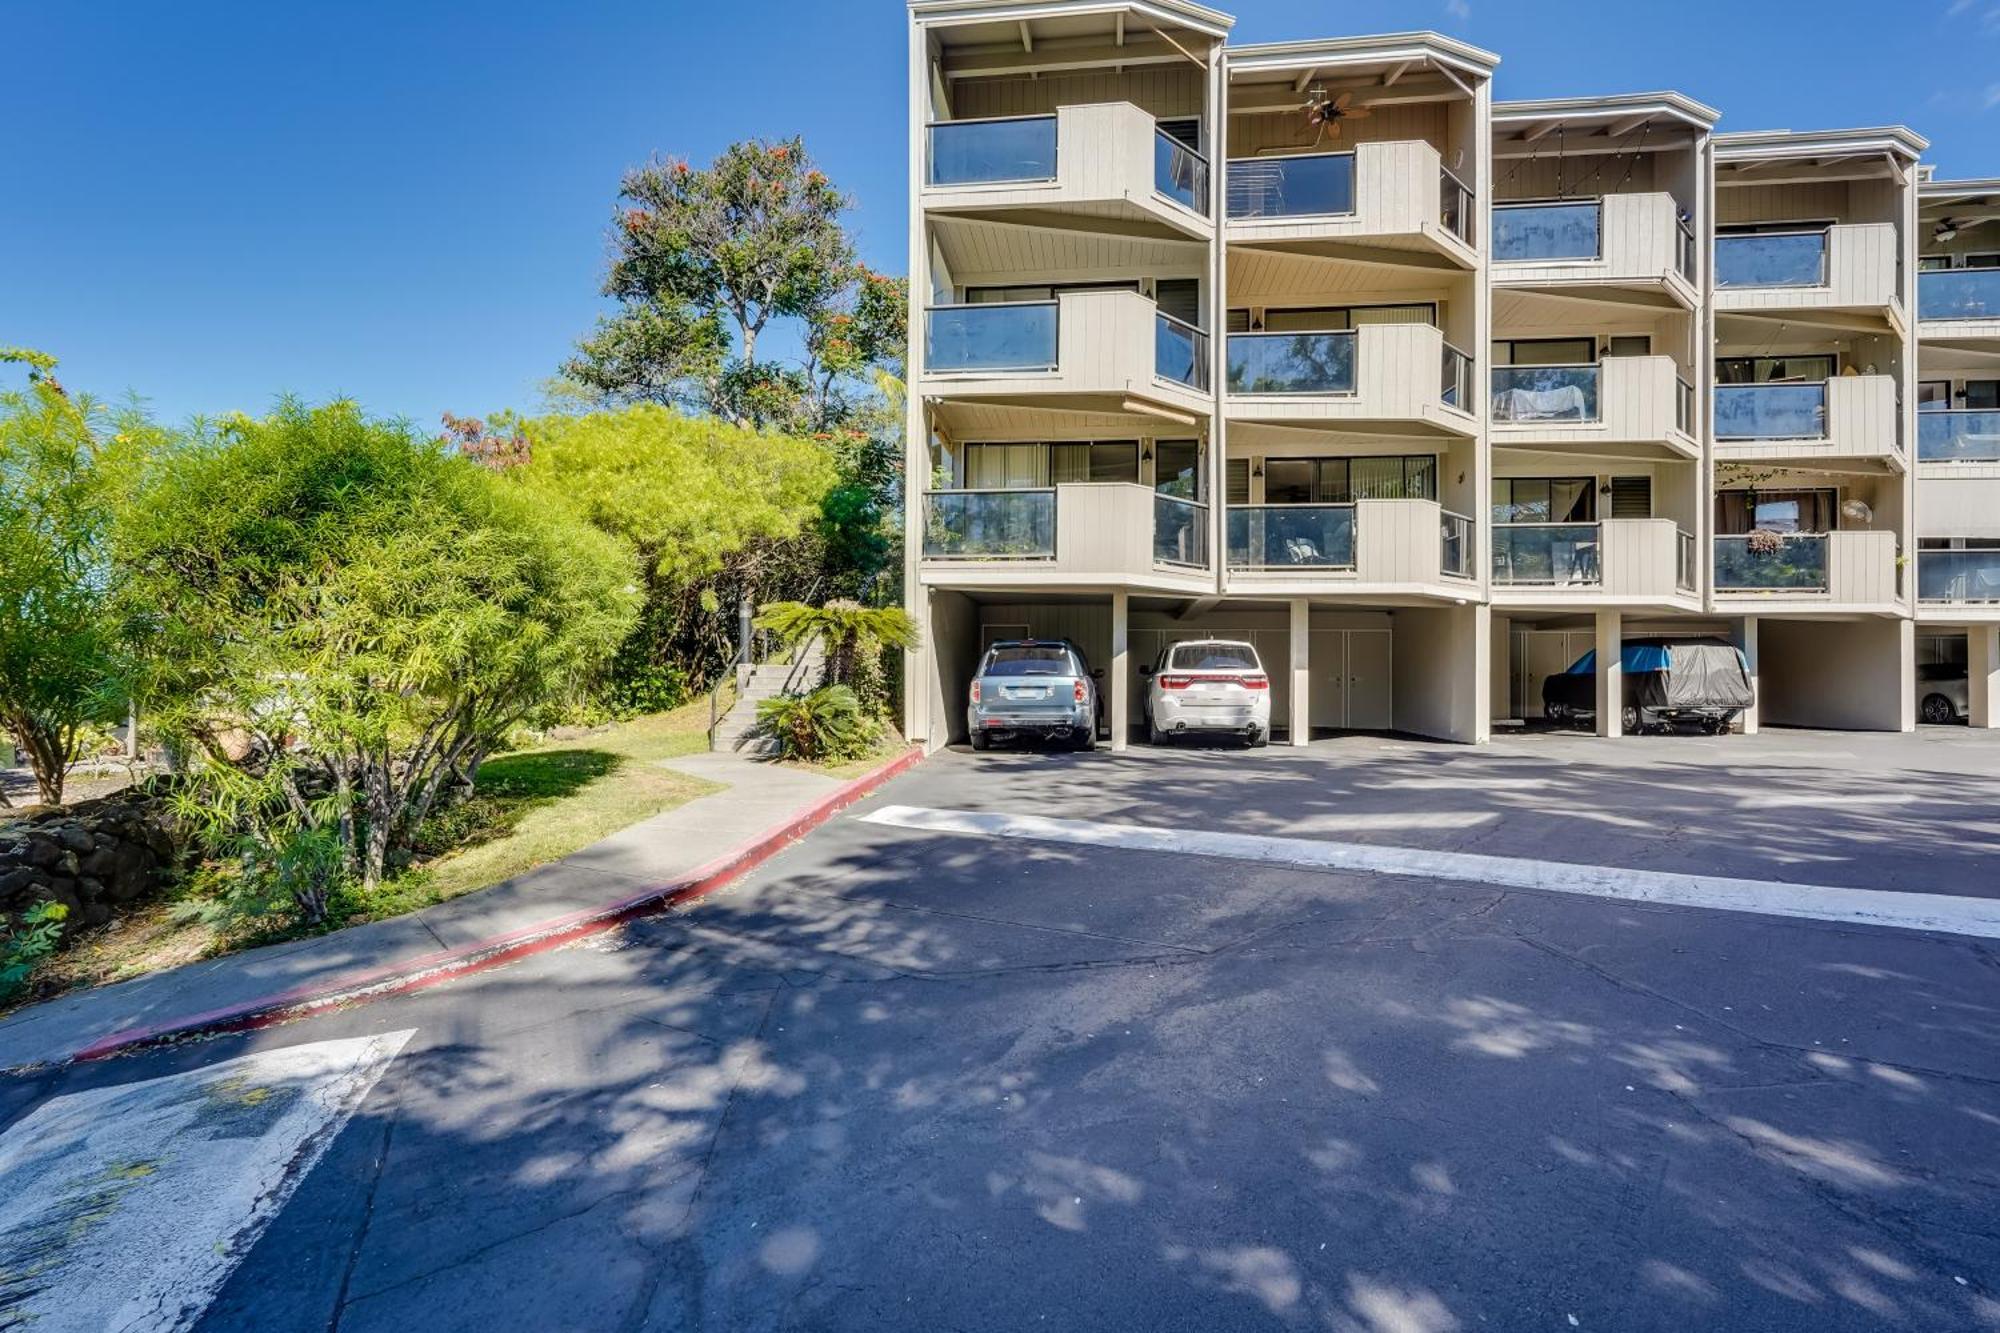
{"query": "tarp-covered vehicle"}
{"type": "Point", "coordinates": [1692, 684]}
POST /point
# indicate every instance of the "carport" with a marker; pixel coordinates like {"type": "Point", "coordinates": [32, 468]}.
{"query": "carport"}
{"type": "Point", "coordinates": [1531, 647]}
{"type": "Point", "coordinates": [1411, 669]}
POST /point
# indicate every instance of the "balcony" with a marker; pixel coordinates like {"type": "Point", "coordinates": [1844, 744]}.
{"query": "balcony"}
{"type": "Point", "coordinates": [1376, 547]}
{"type": "Point", "coordinates": [1630, 241]}
{"type": "Point", "coordinates": [1095, 351]}
{"type": "Point", "coordinates": [1392, 195]}
{"type": "Point", "coordinates": [1853, 418]}
{"type": "Point", "coordinates": [1851, 267]}
{"type": "Point", "coordinates": [1959, 578]}
{"type": "Point", "coordinates": [1629, 401]}
{"type": "Point", "coordinates": [1076, 534]}
{"type": "Point", "coordinates": [1619, 561]}
{"type": "Point", "coordinates": [1853, 571]}
{"type": "Point", "coordinates": [1379, 372]}
{"type": "Point", "coordinates": [1958, 437]}
{"type": "Point", "coordinates": [1090, 165]}
{"type": "Point", "coordinates": [1959, 303]}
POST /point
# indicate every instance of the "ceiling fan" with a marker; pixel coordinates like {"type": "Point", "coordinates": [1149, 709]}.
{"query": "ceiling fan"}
{"type": "Point", "coordinates": [1326, 113]}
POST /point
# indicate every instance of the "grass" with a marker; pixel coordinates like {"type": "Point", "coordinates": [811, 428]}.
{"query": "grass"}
{"type": "Point", "coordinates": [533, 806]}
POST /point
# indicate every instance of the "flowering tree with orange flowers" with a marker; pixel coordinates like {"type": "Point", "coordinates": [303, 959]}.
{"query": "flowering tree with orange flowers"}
{"type": "Point", "coordinates": [704, 260]}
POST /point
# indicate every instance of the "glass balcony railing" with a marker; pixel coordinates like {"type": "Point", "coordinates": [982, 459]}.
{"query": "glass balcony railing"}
{"type": "Point", "coordinates": [990, 525]}
{"type": "Point", "coordinates": [1775, 259]}
{"type": "Point", "coordinates": [1180, 352]}
{"type": "Point", "coordinates": [1684, 562]}
{"type": "Point", "coordinates": [1291, 536]}
{"type": "Point", "coordinates": [1687, 249]}
{"type": "Point", "coordinates": [1545, 393]}
{"type": "Point", "coordinates": [1280, 363]}
{"type": "Point", "coordinates": [1307, 185]}
{"type": "Point", "coordinates": [1770, 411]}
{"type": "Point", "coordinates": [982, 152]}
{"type": "Point", "coordinates": [1958, 437]}
{"type": "Point", "coordinates": [1683, 406]}
{"type": "Point", "coordinates": [1531, 233]}
{"type": "Point", "coordinates": [1547, 554]}
{"type": "Point", "coordinates": [1180, 531]}
{"type": "Point", "coordinates": [1959, 293]}
{"type": "Point", "coordinates": [1455, 536]}
{"type": "Point", "coordinates": [1455, 388]}
{"type": "Point", "coordinates": [1958, 576]}
{"type": "Point", "coordinates": [1769, 562]}
{"type": "Point", "coordinates": [998, 337]}
{"type": "Point", "coordinates": [1180, 173]}
{"type": "Point", "coordinates": [1455, 205]}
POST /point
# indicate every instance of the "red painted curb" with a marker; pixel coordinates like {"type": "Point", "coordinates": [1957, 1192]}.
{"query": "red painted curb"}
{"type": "Point", "coordinates": [431, 969]}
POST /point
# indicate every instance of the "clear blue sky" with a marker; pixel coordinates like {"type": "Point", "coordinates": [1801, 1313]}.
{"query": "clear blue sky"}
{"type": "Point", "coordinates": [214, 201]}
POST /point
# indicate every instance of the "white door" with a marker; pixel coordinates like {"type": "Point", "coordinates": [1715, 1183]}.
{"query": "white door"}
{"type": "Point", "coordinates": [1329, 677]}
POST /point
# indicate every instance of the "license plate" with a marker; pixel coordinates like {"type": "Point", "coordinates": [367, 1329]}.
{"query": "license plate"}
{"type": "Point", "coordinates": [1028, 692]}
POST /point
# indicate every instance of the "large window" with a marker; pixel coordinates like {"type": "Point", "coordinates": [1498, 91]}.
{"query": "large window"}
{"type": "Point", "coordinates": [1298, 481]}
{"type": "Point", "coordinates": [1545, 500]}
{"type": "Point", "coordinates": [1773, 369]}
{"type": "Point", "coordinates": [995, 467]}
{"type": "Point", "coordinates": [1738, 512]}
{"type": "Point", "coordinates": [1328, 319]}
{"type": "Point", "coordinates": [1043, 292]}
{"type": "Point", "coordinates": [1177, 468]}
{"type": "Point", "coordinates": [1545, 352]}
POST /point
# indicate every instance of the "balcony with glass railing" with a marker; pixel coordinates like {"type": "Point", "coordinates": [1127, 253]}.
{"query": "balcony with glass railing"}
{"type": "Point", "coordinates": [1455, 542]}
{"type": "Point", "coordinates": [1633, 560]}
{"type": "Point", "coordinates": [1851, 266]}
{"type": "Point", "coordinates": [1291, 537]}
{"type": "Point", "coordinates": [1096, 164]}
{"type": "Point", "coordinates": [1621, 400]}
{"type": "Point", "coordinates": [1849, 416]}
{"type": "Point", "coordinates": [999, 337]}
{"type": "Point", "coordinates": [1383, 189]}
{"type": "Point", "coordinates": [1524, 395]}
{"type": "Point", "coordinates": [1540, 233]}
{"type": "Point", "coordinates": [1180, 352]}
{"type": "Point", "coordinates": [1958, 295]}
{"type": "Point", "coordinates": [1771, 562]}
{"type": "Point", "coordinates": [1108, 533]}
{"type": "Point", "coordinates": [1264, 364]}
{"type": "Point", "coordinates": [1853, 569]}
{"type": "Point", "coordinates": [1959, 578]}
{"type": "Point", "coordinates": [1547, 554]}
{"type": "Point", "coordinates": [1958, 437]}
{"type": "Point", "coordinates": [1771, 412]}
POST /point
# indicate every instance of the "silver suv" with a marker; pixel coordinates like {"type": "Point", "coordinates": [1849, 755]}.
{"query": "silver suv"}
{"type": "Point", "coordinates": [1034, 687]}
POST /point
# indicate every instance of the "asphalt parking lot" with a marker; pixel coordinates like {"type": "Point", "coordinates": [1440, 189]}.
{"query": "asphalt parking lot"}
{"type": "Point", "coordinates": [905, 1079]}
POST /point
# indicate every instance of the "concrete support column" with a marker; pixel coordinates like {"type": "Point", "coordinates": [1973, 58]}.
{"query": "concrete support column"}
{"type": "Point", "coordinates": [1301, 654]}
{"type": "Point", "coordinates": [1610, 673]}
{"type": "Point", "coordinates": [1121, 669]}
{"type": "Point", "coordinates": [1982, 675]}
{"type": "Point", "coordinates": [1906, 666]}
{"type": "Point", "coordinates": [1746, 639]}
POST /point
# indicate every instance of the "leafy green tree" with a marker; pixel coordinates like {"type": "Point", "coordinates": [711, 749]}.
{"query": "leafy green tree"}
{"type": "Point", "coordinates": [61, 663]}
{"type": "Point", "coordinates": [705, 259]}
{"type": "Point", "coordinates": [715, 511]}
{"type": "Point", "coordinates": [851, 635]}
{"type": "Point", "coordinates": [363, 613]}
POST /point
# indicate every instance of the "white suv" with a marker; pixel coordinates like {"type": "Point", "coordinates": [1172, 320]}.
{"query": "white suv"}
{"type": "Point", "coordinates": [1217, 686]}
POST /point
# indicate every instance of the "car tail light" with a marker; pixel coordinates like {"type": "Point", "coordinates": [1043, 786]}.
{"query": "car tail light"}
{"type": "Point", "coordinates": [1078, 692]}
{"type": "Point", "coordinates": [1256, 682]}
{"type": "Point", "coordinates": [1175, 682]}
{"type": "Point", "coordinates": [975, 691]}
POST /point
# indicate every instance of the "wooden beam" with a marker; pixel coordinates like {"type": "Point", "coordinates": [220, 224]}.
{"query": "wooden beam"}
{"type": "Point", "coordinates": [1306, 76]}
{"type": "Point", "coordinates": [1118, 29]}
{"type": "Point", "coordinates": [1027, 37]}
{"type": "Point", "coordinates": [1059, 57]}
{"type": "Point", "coordinates": [1627, 125]}
{"type": "Point", "coordinates": [1140, 407]}
{"type": "Point", "coordinates": [1537, 132]}
{"type": "Point", "coordinates": [1197, 61]}
{"type": "Point", "coordinates": [1594, 145]}
{"type": "Point", "coordinates": [1389, 79]}
{"type": "Point", "coordinates": [1806, 176]}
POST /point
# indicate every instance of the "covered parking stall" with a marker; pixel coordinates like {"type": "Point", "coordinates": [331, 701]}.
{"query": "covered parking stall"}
{"type": "Point", "coordinates": [1412, 669]}
{"type": "Point", "coordinates": [1530, 646]}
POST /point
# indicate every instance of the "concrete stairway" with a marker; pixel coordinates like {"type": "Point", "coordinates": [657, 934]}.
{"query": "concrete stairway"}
{"type": "Point", "coordinates": [737, 730]}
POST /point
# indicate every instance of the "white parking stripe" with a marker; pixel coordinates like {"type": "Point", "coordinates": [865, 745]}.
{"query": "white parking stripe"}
{"type": "Point", "coordinates": [127, 1207]}
{"type": "Point", "coordinates": [1818, 902]}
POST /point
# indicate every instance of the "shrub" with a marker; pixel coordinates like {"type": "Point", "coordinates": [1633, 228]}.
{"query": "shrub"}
{"type": "Point", "coordinates": [28, 944]}
{"type": "Point", "coordinates": [853, 637]}
{"type": "Point", "coordinates": [827, 725]}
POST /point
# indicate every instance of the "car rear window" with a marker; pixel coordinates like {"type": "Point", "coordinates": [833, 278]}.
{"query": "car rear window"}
{"type": "Point", "coordinates": [1215, 657]}
{"type": "Point", "coordinates": [1029, 662]}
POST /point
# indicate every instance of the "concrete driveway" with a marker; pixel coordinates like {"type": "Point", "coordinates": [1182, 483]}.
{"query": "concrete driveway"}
{"type": "Point", "coordinates": [904, 1079]}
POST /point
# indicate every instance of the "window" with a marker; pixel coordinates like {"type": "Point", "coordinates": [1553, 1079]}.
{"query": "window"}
{"type": "Point", "coordinates": [1982, 261]}
{"type": "Point", "coordinates": [1982, 395]}
{"type": "Point", "coordinates": [1179, 298]}
{"type": "Point", "coordinates": [1114, 461]}
{"type": "Point", "coordinates": [1328, 319]}
{"type": "Point", "coordinates": [1177, 468]}
{"type": "Point", "coordinates": [1186, 131]}
{"type": "Point", "coordinates": [1545, 500]}
{"type": "Point", "coordinates": [1236, 481]}
{"type": "Point", "coordinates": [1630, 344]}
{"type": "Point", "coordinates": [1045, 292]}
{"type": "Point", "coordinates": [1631, 497]}
{"type": "Point", "coordinates": [1738, 512]}
{"type": "Point", "coordinates": [1769, 228]}
{"type": "Point", "coordinates": [1041, 659]}
{"type": "Point", "coordinates": [1933, 395]}
{"type": "Point", "coordinates": [1295, 481]}
{"type": "Point", "coordinates": [1215, 657]}
{"type": "Point", "coordinates": [1545, 352]}
{"type": "Point", "coordinates": [1933, 263]}
{"type": "Point", "coordinates": [1773, 369]}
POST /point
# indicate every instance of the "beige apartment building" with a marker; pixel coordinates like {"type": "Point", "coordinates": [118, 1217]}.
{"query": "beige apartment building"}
{"type": "Point", "coordinates": [1318, 345]}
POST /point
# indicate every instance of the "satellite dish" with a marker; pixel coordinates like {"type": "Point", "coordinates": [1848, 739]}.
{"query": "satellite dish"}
{"type": "Point", "coordinates": [1856, 511]}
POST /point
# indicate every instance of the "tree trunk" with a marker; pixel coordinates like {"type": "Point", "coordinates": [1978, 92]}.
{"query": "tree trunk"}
{"type": "Point", "coordinates": [48, 750]}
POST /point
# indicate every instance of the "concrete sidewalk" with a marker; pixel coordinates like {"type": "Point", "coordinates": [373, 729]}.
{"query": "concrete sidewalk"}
{"type": "Point", "coordinates": [758, 798]}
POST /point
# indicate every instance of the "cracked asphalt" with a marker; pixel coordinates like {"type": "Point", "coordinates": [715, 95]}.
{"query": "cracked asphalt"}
{"type": "Point", "coordinates": [896, 1080]}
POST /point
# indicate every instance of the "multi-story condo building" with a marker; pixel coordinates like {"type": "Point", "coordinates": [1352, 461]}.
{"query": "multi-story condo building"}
{"type": "Point", "coordinates": [1315, 344]}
